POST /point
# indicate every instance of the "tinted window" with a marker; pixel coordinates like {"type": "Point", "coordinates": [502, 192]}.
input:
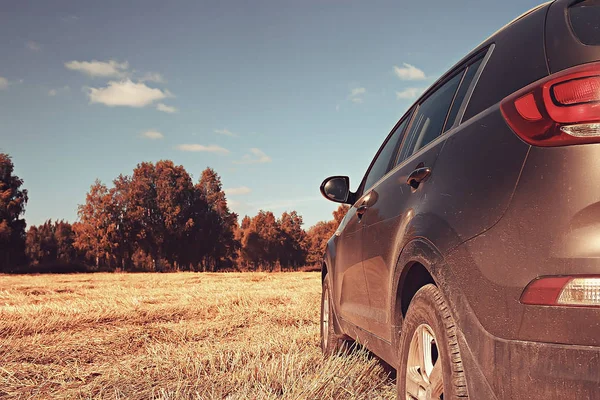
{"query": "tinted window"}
{"type": "Point", "coordinates": [429, 118]}
{"type": "Point", "coordinates": [585, 20]}
{"type": "Point", "coordinates": [462, 92]}
{"type": "Point", "coordinates": [382, 163]}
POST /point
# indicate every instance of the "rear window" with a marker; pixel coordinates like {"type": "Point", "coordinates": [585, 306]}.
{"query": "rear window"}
{"type": "Point", "coordinates": [585, 20]}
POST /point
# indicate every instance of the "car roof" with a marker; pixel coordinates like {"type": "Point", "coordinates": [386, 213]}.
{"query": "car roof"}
{"type": "Point", "coordinates": [477, 50]}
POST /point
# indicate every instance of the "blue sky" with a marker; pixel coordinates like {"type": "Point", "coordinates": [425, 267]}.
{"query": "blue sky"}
{"type": "Point", "coordinates": [274, 95]}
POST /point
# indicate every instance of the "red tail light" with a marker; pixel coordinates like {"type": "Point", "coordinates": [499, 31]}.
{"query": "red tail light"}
{"type": "Point", "coordinates": [559, 110]}
{"type": "Point", "coordinates": [573, 291]}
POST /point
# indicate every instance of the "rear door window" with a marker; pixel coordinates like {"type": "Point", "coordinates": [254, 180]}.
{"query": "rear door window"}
{"type": "Point", "coordinates": [462, 92]}
{"type": "Point", "coordinates": [429, 118]}
{"type": "Point", "coordinates": [585, 21]}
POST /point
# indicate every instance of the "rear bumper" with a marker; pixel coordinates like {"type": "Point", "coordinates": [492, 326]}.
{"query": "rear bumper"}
{"type": "Point", "coordinates": [511, 369]}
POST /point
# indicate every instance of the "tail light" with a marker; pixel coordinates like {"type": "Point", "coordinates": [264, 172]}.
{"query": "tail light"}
{"type": "Point", "coordinates": [561, 109]}
{"type": "Point", "coordinates": [582, 291]}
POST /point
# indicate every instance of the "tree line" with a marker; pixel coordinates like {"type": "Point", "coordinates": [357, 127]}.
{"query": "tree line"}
{"type": "Point", "coordinates": [156, 219]}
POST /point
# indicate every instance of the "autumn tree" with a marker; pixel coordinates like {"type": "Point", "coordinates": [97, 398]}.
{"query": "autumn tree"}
{"type": "Point", "coordinates": [293, 251]}
{"type": "Point", "coordinates": [239, 235]}
{"type": "Point", "coordinates": [219, 224]}
{"type": "Point", "coordinates": [174, 197]}
{"type": "Point", "coordinates": [153, 212]}
{"type": "Point", "coordinates": [267, 242]}
{"type": "Point", "coordinates": [12, 206]}
{"type": "Point", "coordinates": [318, 235]}
{"type": "Point", "coordinates": [339, 214]}
{"type": "Point", "coordinates": [33, 246]}
{"type": "Point", "coordinates": [96, 234]}
{"type": "Point", "coordinates": [52, 244]}
{"type": "Point", "coordinates": [261, 242]}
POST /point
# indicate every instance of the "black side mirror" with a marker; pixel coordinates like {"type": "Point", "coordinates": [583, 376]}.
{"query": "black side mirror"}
{"type": "Point", "coordinates": [337, 189]}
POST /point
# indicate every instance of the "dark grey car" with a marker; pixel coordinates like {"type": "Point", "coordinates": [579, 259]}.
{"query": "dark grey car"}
{"type": "Point", "coordinates": [470, 257]}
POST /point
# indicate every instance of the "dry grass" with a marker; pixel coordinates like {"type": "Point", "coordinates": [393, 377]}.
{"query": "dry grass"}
{"type": "Point", "coordinates": [168, 336]}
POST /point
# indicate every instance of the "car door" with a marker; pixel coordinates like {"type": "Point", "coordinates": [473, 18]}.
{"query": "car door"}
{"type": "Point", "coordinates": [354, 298]}
{"type": "Point", "coordinates": [350, 287]}
{"type": "Point", "coordinates": [394, 201]}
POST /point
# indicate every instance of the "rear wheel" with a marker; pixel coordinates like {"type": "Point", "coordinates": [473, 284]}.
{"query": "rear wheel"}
{"type": "Point", "coordinates": [331, 342]}
{"type": "Point", "coordinates": [430, 363]}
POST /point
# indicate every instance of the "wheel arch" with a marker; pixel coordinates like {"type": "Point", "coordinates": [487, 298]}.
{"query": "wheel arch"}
{"type": "Point", "coordinates": [415, 268]}
{"type": "Point", "coordinates": [327, 266]}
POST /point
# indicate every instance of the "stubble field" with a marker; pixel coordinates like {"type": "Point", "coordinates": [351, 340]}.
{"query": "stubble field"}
{"type": "Point", "coordinates": [173, 336]}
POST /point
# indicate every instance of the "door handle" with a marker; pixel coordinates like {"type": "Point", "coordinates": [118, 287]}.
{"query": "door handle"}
{"type": "Point", "coordinates": [417, 176]}
{"type": "Point", "coordinates": [361, 210]}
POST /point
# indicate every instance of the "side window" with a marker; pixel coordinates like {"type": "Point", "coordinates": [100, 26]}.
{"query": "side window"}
{"type": "Point", "coordinates": [462, 92]}
{"type": "Point", "coordinates": [382, 163]}
{"type": "Point", "coordinates": [429, 118]}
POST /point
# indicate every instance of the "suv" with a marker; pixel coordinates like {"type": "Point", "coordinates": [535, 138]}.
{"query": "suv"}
{"type": "Point", "coordinates": [469, 259]}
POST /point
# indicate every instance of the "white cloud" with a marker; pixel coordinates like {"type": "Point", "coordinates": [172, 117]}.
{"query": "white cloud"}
{"type": "Point", "coordinates": [3, 83]}
{"type": "Point", "coordinates": [257, 157]}
{"type": "Point", "coordinates": [33, 46]}
{"type": "Point", "coordinates": [126, 93]}
{"type": "Point", "coordinates": [94, 68]}
{"type": "Point", "coordinates": [337, 107]}
{"type": "Point", "coordinates": [198, 147]}
{"type": "Point", "coordinates": [225, 132]}
{"type": "Point", "coordinates": [56, 92]}
{"type": "Point", "coordinates": [237, 190]}
{"type": "Point", "coordinates": [152, 135]}
{"type": "Point", "coordinates": [357, 91]}
{"type": "Point", "coordinates": [409, 93]}
{"type": "Point", "coordinates": [69, 18]}
{"type": "Point", "coordinates": [356, 94]}
{"type": "Point", "coordinates": [152, 77]}
{"type": "Point", "coordinates": [165, 108]}
{"type": "Point", "coordinates": [409, 72]}
{"type": "Point", "coordinates": [234, 203]}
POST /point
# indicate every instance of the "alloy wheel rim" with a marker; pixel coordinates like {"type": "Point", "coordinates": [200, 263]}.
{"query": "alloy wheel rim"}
{"type": "Point", "coordinates": [325, 318]}
{"type": "Point", "coordinates": [424, 377]}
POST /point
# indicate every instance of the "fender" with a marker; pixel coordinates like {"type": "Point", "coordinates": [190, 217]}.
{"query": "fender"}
{"type": "Point", "coordinates": [423, 251]}
{"type": "Point", "coordinates": [418, 250]}
{"type": "Point", "coordinates": [423, 239]}
{"type": "Point", "coordinates": [329, 264]}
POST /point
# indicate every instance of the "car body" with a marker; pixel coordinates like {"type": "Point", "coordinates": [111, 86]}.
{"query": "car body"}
{"type": "Point", "coordinates": [486, 192]}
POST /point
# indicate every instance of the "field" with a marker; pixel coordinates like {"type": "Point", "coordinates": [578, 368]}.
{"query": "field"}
{"type": "Point", "coordinates": [171, 336]}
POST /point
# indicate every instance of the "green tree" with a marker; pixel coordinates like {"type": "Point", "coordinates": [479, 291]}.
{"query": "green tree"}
{"type": "Point", "coordinates": [12, 207]}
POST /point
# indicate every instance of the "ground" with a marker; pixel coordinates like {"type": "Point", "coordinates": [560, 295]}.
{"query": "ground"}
{"type": "Point", "coordinates": [168, 336]}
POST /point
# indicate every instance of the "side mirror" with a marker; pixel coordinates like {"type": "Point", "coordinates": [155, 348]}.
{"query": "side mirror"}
{"type": "Point", "coordinates": [337, 189]}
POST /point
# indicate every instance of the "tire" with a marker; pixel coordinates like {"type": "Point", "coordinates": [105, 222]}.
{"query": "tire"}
{"type": "Point", "coordinates": [331, 342]}
{"type": "Point", "coordinates": [428, 342]}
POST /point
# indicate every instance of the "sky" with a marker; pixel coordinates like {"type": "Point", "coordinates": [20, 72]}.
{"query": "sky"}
{"type": "Point", "coordinates": [274, 95]}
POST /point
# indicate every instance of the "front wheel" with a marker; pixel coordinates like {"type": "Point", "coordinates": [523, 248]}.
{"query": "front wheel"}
{"type": "Point", "coordinates": [430, 362]}
{"type": "Point", "coordinates": [331, 342]}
